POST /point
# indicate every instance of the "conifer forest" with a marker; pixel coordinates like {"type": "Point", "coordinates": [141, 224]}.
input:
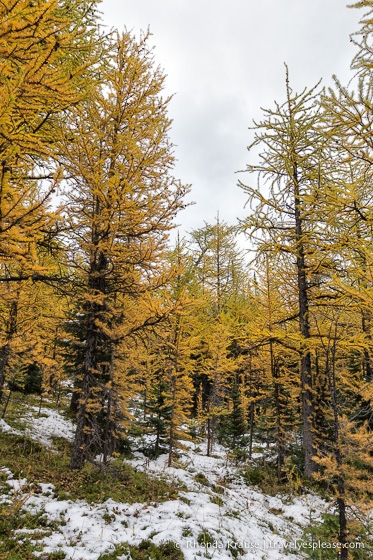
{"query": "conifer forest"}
{"type": "Point", "coordinates": [149, 341]}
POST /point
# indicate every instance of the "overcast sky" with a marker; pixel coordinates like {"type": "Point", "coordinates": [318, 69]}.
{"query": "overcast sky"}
{"type": "Point", "coordinates": [224, 59]}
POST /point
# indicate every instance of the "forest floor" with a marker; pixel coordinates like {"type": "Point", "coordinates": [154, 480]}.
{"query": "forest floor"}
{"type": "Point", "coordinates": [201, 507]}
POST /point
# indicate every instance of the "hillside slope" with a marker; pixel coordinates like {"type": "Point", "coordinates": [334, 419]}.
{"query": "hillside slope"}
{"type": "Point", "coordinates": [214, 512]}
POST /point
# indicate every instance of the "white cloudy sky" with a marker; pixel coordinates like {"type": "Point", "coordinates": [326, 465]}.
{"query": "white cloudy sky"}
{"type": "Point", "coordinates": [224, 60]}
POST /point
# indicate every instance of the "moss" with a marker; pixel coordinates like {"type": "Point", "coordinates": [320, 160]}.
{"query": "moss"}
{"type": "Point", "coordinates": [216, 500]}
{"type": "Point", "coordinates": [19, 546]}
{"type": "Point", "coordinates": [121, 482]}
{"type": "Point", "coordinates": [204, 538]}
{"type": "Point", "coordinates": [327, 532]}
{"type": "Point", "coordinates": [146, 550]}
{"type": "Point", "coordinates": [201, 478]}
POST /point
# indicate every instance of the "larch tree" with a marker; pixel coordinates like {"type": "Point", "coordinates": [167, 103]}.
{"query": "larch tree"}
{"type": "Point", "coordinates": [121, 201]}
{"type": "Point", "coordinates": [214, 367]}
{"type": "Point", "coordinates": [349, 122]}
{"type": "Point", "coordinates": [164, 370]}
{"type": "Point", "coordinates": [346, 327]}
{"type": "Point", "coordinates": [178, 336]}
{"type": "Point", "coordinates": [218, 262]}
{"type": "Point", "coordinates": [291, 172]}
{"type": "Point", "coordinates": [220, 272]}
{"type": "Point", "coordinates": [30, 354]}
{"type": "Point", "coordinates": [46, 50]}
{"type": "Point", "coordinates": [272, 334]}
{"type": "Point", "coordinates": [175, 348]}
{"type": "Point", "coordinates": [344, 460]}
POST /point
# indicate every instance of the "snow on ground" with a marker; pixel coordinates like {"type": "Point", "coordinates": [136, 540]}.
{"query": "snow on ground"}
{"type": "Point", "coordinates": [4, 427]}
{"type": "Point", "coordinates": [42, 426]}
{"type": "Point", "coordinates": [211, 518]}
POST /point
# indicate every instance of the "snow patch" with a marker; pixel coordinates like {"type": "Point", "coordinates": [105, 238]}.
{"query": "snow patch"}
{"type": "Point", "coordinates": [4, 427]}
{"type": "Point", "coordinates": [49, 423]}
{"type": "Point", "coordinates": [215, 513]}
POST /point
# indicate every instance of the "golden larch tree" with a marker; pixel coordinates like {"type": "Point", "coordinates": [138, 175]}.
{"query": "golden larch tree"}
{"type": "Point", "coordinates": [121, 202]}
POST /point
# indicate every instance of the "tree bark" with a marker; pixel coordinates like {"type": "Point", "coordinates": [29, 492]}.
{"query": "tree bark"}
{"type": "Point", "coordinates": [5, 353]}
{"type": "Point", "coordinates": [85, 418]}
{"type": "Point", "coordinates": [83, 428]}
{"type": "Point", "coordinates": [281, 476]}
{"type": "Point", "coordinates": [305, 362]}
{"type": "Point", "coordinates": [365, 323]}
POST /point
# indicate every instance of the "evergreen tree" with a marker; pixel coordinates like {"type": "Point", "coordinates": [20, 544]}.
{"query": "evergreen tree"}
{"type": "Point", "coordinates": [233, 427]}
{"type": "Point", "coordinates": [159, 412]}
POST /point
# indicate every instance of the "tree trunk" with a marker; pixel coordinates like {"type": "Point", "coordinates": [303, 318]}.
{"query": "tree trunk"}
{"type": "Point", "coordinates": [281, 476]}
{"type": "Point", "coordinates": [11, 331]}
{"type": "Point", "coordinates": [209, 437]}
{"type": "Point", "coordinates": [342, 524]}
{"type": "Point", "coordinates": [6, 405]}
{"type": "Point", "coordinates": [75, 397]}
{"type": "Point", "coordinates": [86, 418]}
{"type": "Point", "coordinates": [305, 362]}
{"type": "Point", "coordinates": [251, 429]}
{"type": "Point", "coordinates": [83, 434]}
{"type": "Point", "coordinates": [365, 323]}
{"type": "Point", "coordinates": [172, 419]}
{"type": "Point", "coordinates": [109, 436]}
{"type": "Point", "coordinates": [82, 426]}
{"type": "Point", "coordinates": [339, 458]}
